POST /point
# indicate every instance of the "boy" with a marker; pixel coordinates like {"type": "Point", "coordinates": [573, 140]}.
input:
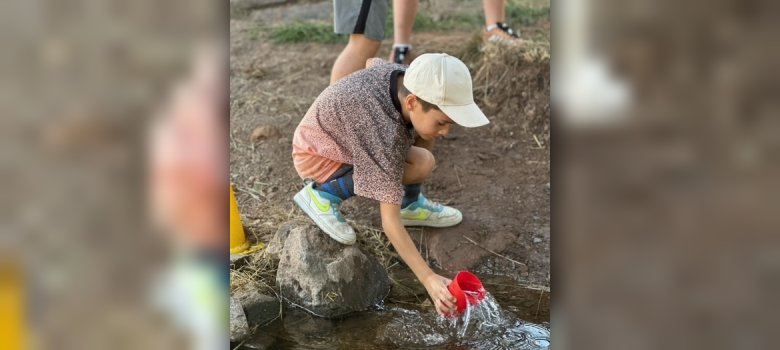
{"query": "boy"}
{"type": "Point", "coordinates": [358, 138]}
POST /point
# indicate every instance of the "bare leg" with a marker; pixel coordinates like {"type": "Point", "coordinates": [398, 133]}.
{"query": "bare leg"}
{"type": "Point", "coordinates": [419, 165]}
{"type": "Point", "coordinates": [353, 57]}
{"type": "Point", "coordinates": [404, 12]}
{"type": "Point", "coordinates": [494, 11]}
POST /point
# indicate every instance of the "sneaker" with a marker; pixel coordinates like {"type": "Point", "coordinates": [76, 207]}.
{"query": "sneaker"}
{"type": "Point", "coordinates": [401, 55]}
{"type": "Point", "coordinates": [502, 34]}
{"type": "Point", "coordinates": [323, 208]}
{"type": "Point", "coordinates": [425, 212]}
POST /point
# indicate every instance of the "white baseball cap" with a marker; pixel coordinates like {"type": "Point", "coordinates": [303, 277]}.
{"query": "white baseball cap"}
{"type": "Point", "coordinates": [445, 81]}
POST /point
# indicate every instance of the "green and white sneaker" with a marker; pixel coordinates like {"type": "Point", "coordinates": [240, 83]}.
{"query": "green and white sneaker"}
{"type": "Point", "coordinates": [425, 212]}
{"type": "Point", "coordinates": [323, 208]}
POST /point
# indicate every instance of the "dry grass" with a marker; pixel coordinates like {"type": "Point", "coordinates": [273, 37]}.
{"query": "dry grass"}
{"type": "Point", "coordinates": [373, 241]}
{"type": "Point", "coordinates": [513, 80]}
{"type": "Point", "coordinates": [260, 269]}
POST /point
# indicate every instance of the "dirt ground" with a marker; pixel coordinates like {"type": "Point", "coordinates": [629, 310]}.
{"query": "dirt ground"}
{"type": "Point", "coordinates": [498, 175]}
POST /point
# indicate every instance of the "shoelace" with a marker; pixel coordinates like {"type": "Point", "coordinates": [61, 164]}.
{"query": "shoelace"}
{"type": "Point", "coordinates": [503, 26]}
{"type": "Point", "coordinates": [429, 204]}
{"type": "Point", "coordinates": [337, 212]}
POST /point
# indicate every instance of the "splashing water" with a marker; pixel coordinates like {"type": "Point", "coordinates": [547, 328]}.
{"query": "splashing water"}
{"type": "Point", "coordinates": [483, 325]}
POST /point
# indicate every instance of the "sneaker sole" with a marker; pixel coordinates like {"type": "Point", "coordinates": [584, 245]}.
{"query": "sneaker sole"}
{"type": "Point", "coordinates": [431, 223]}
{"type": "Point", "coordinates": [302, 203]}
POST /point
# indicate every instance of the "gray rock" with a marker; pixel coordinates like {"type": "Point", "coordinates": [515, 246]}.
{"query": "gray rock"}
{"type": "Point", "coordinates": [274, 247]}
{"type": "Point", "coordinates": [327, 278]}
{"type": "Point", "coordinates": [258, 308]}
{"type": "Point", "coordinates": [239, 328]}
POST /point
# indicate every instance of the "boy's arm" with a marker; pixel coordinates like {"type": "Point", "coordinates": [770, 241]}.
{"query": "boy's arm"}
{"type": "Point", "coordinates": [435, 284]}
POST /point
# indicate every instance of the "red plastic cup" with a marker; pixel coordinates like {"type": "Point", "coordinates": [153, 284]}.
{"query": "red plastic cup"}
{"type": "Point", "coordinates": [467, 289]}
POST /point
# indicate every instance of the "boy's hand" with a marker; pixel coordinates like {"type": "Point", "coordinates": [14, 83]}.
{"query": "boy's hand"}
{"type": "Point", "coordinates": [442, 298]}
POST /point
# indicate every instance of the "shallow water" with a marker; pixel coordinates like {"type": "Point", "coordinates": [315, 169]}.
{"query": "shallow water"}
{"type": "Point", "coordinates": [503, 320]}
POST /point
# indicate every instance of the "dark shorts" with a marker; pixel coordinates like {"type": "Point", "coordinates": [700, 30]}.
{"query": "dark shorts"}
{"type": "Point", "coordinates": [343, 170]}
{"type": "Point", "coordinates": [365, 17]}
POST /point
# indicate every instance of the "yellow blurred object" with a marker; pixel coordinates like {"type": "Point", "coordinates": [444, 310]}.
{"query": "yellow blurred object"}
{"type": "Point", "coordinates": [11, 307]}
{"type": "Point", "coordinates": [238, 242]}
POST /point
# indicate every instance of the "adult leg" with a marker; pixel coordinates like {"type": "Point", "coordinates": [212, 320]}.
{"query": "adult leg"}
{"type": "Point", "coordinates": [494, 11]}
{"type": "Point", "coordinates": [404, 12]}
{"type": "Point", "coordinates": [496, 30]}
{"type": "Point", "coordinates": [353, 58]}
{"type": "Point", "coordinates": [364, 21]}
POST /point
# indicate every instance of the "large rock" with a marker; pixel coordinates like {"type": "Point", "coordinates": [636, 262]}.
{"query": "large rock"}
{"type": "Point", "coordinates": [239, 327]}
{"type": "Point", "coordinates": [327, 278]}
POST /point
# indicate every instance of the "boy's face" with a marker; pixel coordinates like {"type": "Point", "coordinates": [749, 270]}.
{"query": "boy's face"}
{"type": "Point", "coordinates": [429, 125]}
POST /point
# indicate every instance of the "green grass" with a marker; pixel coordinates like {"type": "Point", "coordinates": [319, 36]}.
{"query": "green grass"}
{"type": "Point", "coordinates": [306, 32]}
{"type": "Point", "coordinates": [254, 32]}
{"type": "Point", "coordinates": [525, 16]}
{"type": "Point", "coordinates": [516, 16]}
{"type": "Point", "coordinates": [315, 32]}
{"type": "Point", "coordinates": [424, 23]}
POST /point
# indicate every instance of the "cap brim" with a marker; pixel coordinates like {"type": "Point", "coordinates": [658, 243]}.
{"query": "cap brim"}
{"type": "Point", "coordinates": [469, 116]}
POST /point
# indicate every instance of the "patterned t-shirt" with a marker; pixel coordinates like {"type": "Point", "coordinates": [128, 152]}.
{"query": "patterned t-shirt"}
{"type": "Point", "coordinates": [358, 121]}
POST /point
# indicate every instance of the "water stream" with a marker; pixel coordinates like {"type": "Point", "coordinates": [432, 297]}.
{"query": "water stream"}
{"type": "Point", "coordinates": [510, 317]}
{"type": "Point", "coordinates": [482, 326]}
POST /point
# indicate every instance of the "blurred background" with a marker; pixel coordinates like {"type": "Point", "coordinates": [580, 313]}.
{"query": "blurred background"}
{"type": "Point", "coordinates": [664, 175]}
{"type": "Point", "coordinates": [114, 160]}
{"type": "Point", "coordinates": [114, 155]}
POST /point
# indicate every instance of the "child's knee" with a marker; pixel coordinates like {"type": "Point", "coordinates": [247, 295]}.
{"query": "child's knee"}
{"type": "Point", "coordinates": [425, 162]}
{"type": "Point", "coordinates": [420, 165]}
{"type": "Point", "coordinates": [429, 162]}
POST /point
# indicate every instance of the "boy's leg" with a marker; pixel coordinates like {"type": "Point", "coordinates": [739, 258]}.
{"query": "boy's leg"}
{"type": "Point", "coordinates": [321, 202]}
{"type": "Point", "coordinates": [340, 184]}
{"type": "Point", "coordinates": [418, 210]}
{"type": "Point", "coordinates": [404, 13]}
{"type": "Point", "coordinates": [419, 165]}
{"type": "Point", "coordinates": [364, 21]}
